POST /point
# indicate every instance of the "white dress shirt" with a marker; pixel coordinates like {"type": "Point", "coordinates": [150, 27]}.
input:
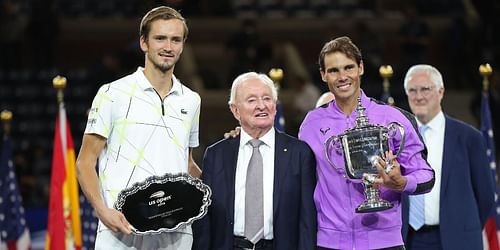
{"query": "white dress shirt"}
{"type": "Point", "coordinates": [434, 140]}
{"type": "Point", "coordinates": [244, 153]}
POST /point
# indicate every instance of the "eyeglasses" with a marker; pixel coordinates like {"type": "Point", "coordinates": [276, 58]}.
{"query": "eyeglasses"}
{"type": "Point", "coordinates": [425, 91]}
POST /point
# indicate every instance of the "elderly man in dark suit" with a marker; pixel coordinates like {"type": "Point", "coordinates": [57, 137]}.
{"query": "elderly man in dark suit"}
{"type": "Point", "coordinates": [262, 181]}
{"type": "Point", "coordinates": [453, 214]}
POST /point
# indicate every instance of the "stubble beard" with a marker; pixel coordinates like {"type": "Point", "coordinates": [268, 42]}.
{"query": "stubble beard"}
{"type": "Point", "coordinates": [162, 67]}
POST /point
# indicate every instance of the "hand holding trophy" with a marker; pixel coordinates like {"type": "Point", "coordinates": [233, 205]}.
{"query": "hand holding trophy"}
{"type": "Point", "coordinates": [389, 173]}
{"type": "Point", "coordinates": [367, 148]}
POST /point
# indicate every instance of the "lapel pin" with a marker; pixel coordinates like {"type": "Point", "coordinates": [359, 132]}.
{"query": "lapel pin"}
{"type": "Point", "coordinates": [285, 149]}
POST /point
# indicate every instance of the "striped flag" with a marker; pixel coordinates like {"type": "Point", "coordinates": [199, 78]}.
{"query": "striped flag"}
{"type": "Point", "coordinates": [14, 232]}
{"type": "Point", "coordinates": [491, 228]}
{"type": "Point", "coordinates": [63, 229]}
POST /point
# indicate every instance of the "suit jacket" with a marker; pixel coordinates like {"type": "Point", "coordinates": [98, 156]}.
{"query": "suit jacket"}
{"type": "Point", "coordinates": [467, 188]}
{"type": "Point", "coordinates": [294, 212]}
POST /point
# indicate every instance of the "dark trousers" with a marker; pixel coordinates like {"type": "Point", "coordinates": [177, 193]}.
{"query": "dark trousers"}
{"type": "Point", "coordinates": [426, 238]}
{"type": "Point", "coordinates": [388, 248]}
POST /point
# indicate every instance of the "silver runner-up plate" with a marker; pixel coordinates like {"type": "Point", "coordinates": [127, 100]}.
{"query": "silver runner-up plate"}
{"type": "Point", "coordinates": [164, 203]}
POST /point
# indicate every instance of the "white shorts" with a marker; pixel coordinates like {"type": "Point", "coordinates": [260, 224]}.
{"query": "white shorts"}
{"type": "Point", "coordinates": [107, 239]}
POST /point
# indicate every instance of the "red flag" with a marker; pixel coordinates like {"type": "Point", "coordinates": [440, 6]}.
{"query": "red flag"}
{"type": "Point", "coordinates": [63, 230]}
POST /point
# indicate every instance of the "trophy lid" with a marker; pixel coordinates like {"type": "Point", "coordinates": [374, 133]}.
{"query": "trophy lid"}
{"type": "Point", "coordinates": [362, 122]}
{"type": "Point", "coordinates": [362, 119]}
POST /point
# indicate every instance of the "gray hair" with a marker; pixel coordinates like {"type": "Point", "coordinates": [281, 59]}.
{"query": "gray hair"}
{"type": "Point", "coordinates": [433, 73]}
{"type": "Point", "coordinates": [252, 75]}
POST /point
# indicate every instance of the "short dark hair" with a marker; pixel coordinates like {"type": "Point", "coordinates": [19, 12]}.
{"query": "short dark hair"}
{"type": "Point", "coordinates": [164, 13]}
{"type": "Point", "coordinates": [343, 45]}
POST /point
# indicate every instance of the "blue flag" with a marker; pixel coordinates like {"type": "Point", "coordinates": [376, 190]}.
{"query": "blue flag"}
{"type": "Point", "coordinates": [279, 119]}
{"type": "Point", "coordinates": [385, 97]}
{"type": "Point", "coordinates": [492, 224]}
{"type": "Point", "coordinates": [89, 223]}
{"type": "Point", "coordinates": [14, 231]}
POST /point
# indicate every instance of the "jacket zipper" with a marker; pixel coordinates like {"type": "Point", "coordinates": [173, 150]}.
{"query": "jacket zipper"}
{"type": "Point", "coordinates": [161, 101]}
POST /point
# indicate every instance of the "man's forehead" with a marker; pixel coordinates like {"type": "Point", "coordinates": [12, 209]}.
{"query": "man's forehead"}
{"type": "Point", "coordinates": [255, 90]}
{"type": "Point", "coordinates": [420, 78]}
{"type": "Point", "coordinates": [253, 86]}
{"type": "Point", "coordinates": [339, 65]}
{"type": "Point", "coordinates": [170, 25]}
{"type": "Point", "coordinates": [338, 60]}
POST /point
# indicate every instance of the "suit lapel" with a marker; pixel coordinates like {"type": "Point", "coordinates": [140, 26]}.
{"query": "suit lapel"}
{"type": "Point", "coordinates": [281, 160]}
{"type": "Point", "coordinates": [230, 163]}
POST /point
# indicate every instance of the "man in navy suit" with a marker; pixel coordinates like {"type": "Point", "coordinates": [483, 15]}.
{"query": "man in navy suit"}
{"type": "Point", "coordinates": [456, 209]}
{"type": "Point", "coordinates": [288, 179]}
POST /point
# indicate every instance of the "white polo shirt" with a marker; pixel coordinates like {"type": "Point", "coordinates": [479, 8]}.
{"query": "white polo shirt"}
{"type": "Point", "coordinates": [145, 135]}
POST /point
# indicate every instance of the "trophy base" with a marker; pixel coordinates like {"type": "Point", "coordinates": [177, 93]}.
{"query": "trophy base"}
{"type": "Point", "coordinates": [368, 207]}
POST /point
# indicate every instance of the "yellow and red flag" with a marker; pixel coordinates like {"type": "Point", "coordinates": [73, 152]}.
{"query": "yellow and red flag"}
{"type": "Point", "coordinates": [64, 229]}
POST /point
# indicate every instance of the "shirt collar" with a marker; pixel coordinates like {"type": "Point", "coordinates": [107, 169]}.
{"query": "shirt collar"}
{"type": "Point", "coordinates": [144, 83]}
{"type": "Point", "coordinates": [365, 100]}
{"type": "Point", "coordinates": [267, 139]}
{"type": "Point", "coordinates": [436, 122]}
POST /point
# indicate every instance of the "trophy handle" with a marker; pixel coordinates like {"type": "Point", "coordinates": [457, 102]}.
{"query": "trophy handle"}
{"type": "Point", "coordinates": [392, 130]}
{"type": "Point", "coordinates": [328, 145]}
